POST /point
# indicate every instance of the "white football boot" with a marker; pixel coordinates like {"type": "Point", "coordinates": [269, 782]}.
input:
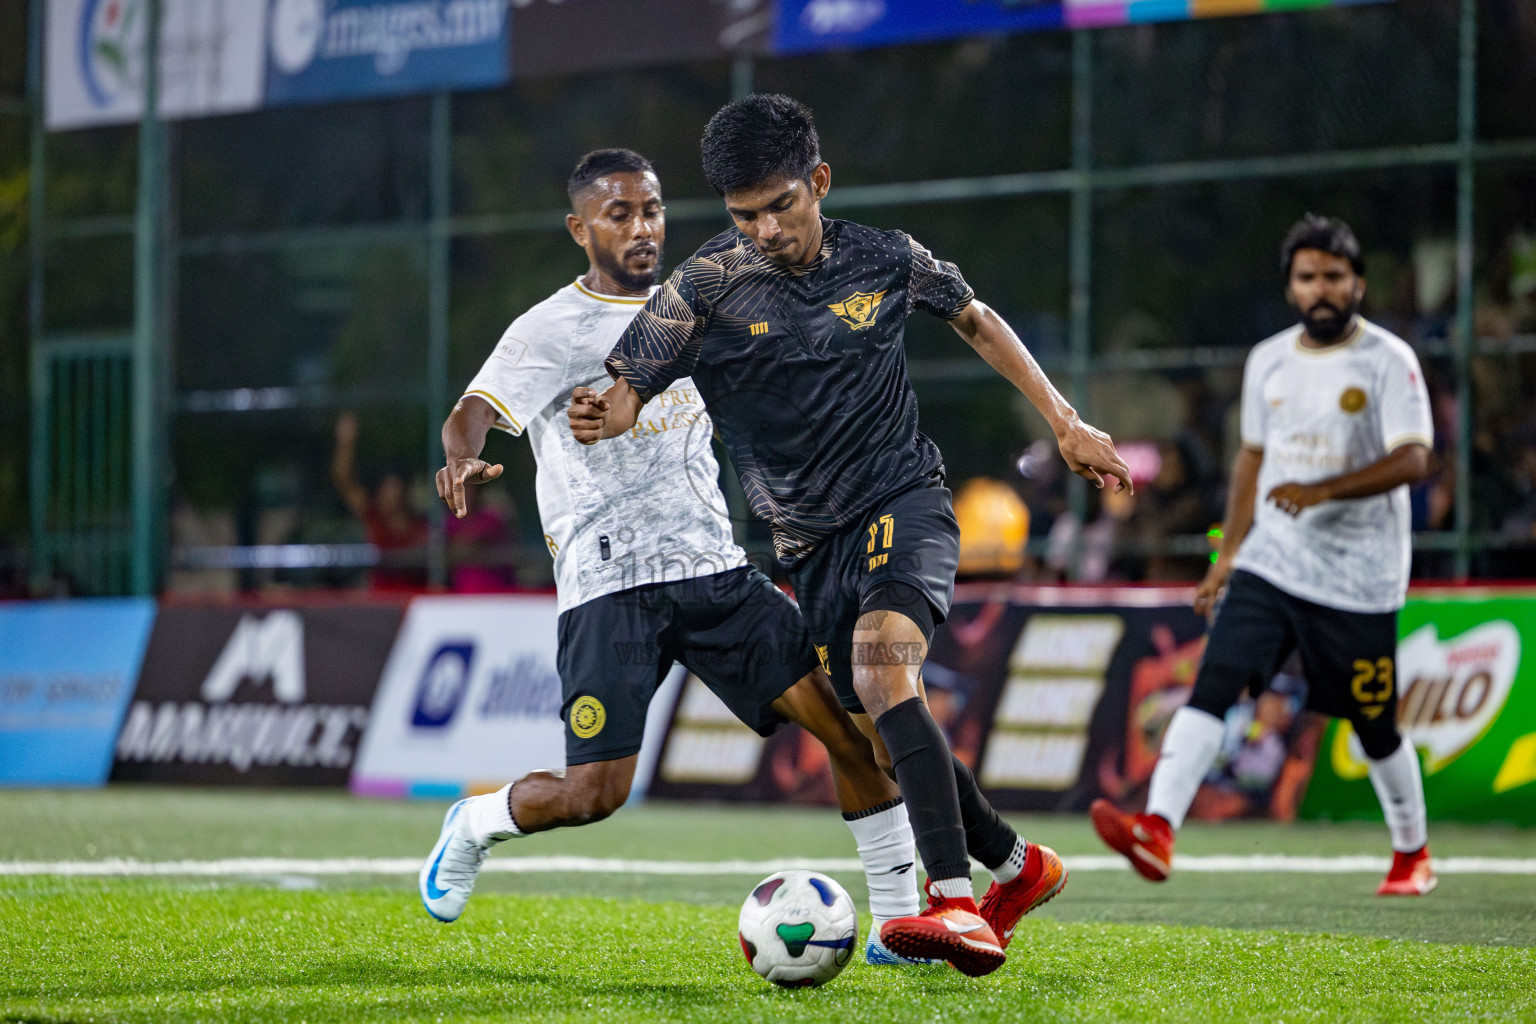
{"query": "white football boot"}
{"type": "Point", "coordinates": [448, 876]}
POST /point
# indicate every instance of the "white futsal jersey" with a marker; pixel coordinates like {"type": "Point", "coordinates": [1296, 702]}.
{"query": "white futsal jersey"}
{"type": "Point", "coordinates": [642, 508]}
{"type": "Point", "coordinates": [1317, 413]}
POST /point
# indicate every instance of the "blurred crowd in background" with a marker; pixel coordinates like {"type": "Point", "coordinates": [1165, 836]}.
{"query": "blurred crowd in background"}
{"type": "Point", "coordinates": [301, 309]}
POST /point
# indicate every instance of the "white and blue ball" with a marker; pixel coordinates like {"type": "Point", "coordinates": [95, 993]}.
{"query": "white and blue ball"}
{"type": "Point", "coordinates": [798, 928]}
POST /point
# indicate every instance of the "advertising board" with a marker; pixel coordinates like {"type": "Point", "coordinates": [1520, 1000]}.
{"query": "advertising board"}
{"type": "Point", "coordinates": [1053, 696]}
{"type": "Point", "coordinates": [62, 698]}
{"type": "Point", "coordinates": [805, 26]}
{"type": "Point", "coordinates": [470, 700]}
{"type": "Point", "coordinates": [273, 696]}
{"type": "Point", "coordinates": [1466, 691]}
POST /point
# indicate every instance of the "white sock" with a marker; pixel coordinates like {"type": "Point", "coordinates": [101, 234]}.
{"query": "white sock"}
{"type": "Point", "coordinates": [954, 888]}
{"type": "Point", "coordinates": [490, 817]}
{"type": "Point", "coordinates": [886, 850]}
{"type": "Point", "coordinates": [1011, 868]}
{"type": "Point", "coordinates": [1190, 747]}
{"type": "Point", "coordinates": [1400, 788]}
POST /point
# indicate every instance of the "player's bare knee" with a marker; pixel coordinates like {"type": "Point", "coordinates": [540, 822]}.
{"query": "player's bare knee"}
{"type": "Point", "coordinates": [595, 793]}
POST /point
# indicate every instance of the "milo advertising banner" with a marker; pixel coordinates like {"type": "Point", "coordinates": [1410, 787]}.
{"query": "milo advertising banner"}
{"type": "Point", "coordinates": [1466, 685]}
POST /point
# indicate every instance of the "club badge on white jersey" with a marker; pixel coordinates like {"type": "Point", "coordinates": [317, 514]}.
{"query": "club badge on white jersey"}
{"type": "Point", "coordinates": [1317, 413]}
{"type": "Point", "coordinates": [638, 509]}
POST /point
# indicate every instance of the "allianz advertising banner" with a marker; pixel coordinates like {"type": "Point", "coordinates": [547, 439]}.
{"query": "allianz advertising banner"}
{"type": "Point", "coordinates": [470, 700]}
{"type": "Point", "coordinates": [1466, 692]}
{"type": "Point", "coordinates": [67, 670]}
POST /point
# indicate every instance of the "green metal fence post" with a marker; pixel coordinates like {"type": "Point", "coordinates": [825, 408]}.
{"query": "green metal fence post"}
{"type": "Point", "coordinates": [37, 469]}
{"type": "Point", "coordinates": [1466, 325]}
{"type": "Point", "coordinates": [438, 271]}
{"type": "Point", "coordinates": [1080, 257]}
{"type": "Point", "coordinates": [148, 417]}
{"type": "Point", "coordinates": [742, 73]}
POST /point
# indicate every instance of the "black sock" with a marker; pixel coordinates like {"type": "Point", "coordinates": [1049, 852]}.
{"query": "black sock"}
{"type": "Point", "coordinates": [988, 837]}
{"type": "Point", "coordinates": [918, 755]}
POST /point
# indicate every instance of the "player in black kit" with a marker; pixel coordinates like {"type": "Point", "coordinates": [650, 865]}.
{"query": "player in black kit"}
{"type": "Point", "coordinates": [791, 326]}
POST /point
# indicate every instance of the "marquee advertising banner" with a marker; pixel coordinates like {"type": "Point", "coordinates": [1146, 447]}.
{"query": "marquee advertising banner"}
{"type": "Point", "coordinates": [470, 700]}
{"type": "Point", "coordinates": [255, 696]}
{"type": "Point", "coordinates": [67, 670]}
{"type": "Point", "coordinates": [1466, 692]}
{"type": "Point", "coordinates": [1053, 696]}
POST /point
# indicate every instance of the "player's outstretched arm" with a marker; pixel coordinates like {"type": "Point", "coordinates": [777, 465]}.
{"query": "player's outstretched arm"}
{"type": "Point", "coordinates": [463, 438]}
{"type": "Point", "coordinates": [1405, 464]}
{"type": "Point", "coordinates": [595, 417]}
{"type": "Point", "coordinates": [1234, 527]}
{"type": "Point", "coordinates": [1089, 451]}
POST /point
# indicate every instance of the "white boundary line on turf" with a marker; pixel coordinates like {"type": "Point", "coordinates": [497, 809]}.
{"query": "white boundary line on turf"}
{"type": "Point", "coordinates": [260, 866]}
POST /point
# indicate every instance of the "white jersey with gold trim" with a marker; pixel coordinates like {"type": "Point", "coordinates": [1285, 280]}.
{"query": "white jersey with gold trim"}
{"type": "Point", "coordinates": [642, 508]}
{"type": "Point", "coordinates": [1317, 413]}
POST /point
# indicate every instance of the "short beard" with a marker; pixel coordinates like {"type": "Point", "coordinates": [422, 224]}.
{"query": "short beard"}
{"type": "Point", "coordinates": [1329, 327]}
{"type": "Point", "coordinates": [623, 276]}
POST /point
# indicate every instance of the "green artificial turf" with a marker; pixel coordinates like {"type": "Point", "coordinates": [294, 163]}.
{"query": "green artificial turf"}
{"type": "Point", "coordinates": [544, 947]}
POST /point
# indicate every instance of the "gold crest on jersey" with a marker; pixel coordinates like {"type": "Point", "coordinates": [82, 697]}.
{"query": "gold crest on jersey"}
{"type": "Point", "coordinates": [1352, 400]}
{"type": "Point", "coordinates": [859, 309]}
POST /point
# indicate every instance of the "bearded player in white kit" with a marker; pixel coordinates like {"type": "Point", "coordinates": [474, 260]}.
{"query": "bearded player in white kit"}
{"type": "Point", "coordinates": [1335, 426]}
{"type": "Point", "coordinates": [645, 563]}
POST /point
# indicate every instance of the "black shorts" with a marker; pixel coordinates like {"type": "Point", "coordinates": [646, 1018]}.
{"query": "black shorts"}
{"type": "Point", "coordinates": [1349, 659]}
{"type": "Point", "coordinates": [735, 630]}
{"type": "Point", "coordinates": [912, 538]}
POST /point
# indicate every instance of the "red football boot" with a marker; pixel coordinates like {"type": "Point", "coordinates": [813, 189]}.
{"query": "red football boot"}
{"type": "Point", "coordinates": [1146, 840]}
{"type": "Point", "coordinates": [1004, 906]}
{"type": "Point", "coordinates": [950, 929]}
{"type": "Point", "coordinates": [1411, 875]}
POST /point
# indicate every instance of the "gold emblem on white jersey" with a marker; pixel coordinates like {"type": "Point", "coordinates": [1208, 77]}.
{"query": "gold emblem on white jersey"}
{"type": "Point", "coordinates": [1352, 400]}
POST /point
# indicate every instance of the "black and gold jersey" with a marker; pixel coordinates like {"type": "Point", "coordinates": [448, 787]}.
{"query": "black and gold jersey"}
{"type": "Point", "coordinates": [802, 369]}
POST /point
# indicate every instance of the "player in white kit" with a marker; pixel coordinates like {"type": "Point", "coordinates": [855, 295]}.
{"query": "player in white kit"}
{"type": "Point", "coordinates": [646, 567]}
{"type": "Point", "coordinates": [1315, 552]}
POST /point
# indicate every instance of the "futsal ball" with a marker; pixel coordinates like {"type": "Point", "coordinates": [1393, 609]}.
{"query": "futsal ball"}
{"type": "Point", "coordinates": [798, 928]}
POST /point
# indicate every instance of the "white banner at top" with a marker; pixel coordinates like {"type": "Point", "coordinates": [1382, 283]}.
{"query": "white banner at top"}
{"type": "Point", "coordinates": [212, 55]}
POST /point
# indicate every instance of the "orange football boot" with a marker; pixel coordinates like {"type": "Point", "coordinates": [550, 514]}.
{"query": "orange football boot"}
{"type": "Point", "coordinates": [950, 929]}
{"type": "Point", "coordinates": [1004, 906]}
{"type": "Point", "coordinates": [1146, 840]}
{"type": "Point", "coordinates": [1411, 875]}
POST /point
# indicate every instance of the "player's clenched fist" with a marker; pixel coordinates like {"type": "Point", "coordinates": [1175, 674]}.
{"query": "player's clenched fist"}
{"type": "Point", "coordinates": [588, 415]}
{"type": "Point", "coordinates": [458, 472]}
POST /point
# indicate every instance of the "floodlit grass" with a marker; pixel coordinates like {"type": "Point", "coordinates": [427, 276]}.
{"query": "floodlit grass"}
{"type": "Point", "coordinates": [550, 948]}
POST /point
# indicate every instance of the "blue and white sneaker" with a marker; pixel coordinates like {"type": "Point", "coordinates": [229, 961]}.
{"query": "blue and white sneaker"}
{"type": "Point", "coordinates": [448, 876]}
{"type": "Point", "coordinates": [876, 955]}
